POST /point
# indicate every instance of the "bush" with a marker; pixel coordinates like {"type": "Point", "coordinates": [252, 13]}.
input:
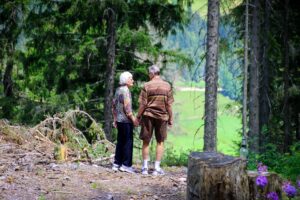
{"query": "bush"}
{"type": "Point", "coordinates": [288, 165]}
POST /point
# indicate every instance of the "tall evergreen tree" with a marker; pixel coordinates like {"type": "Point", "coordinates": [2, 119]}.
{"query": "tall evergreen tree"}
{"type": "Point", "coordinates": [211, 76]}
{"type": "Point", "coordinates": [11, 14]}
{"type": "Point", "coordinates": [264, 92]}
{"type": "Point", "coordinates": [254, 79]}
{"type": "Point", "coordinates": [110, 71]}
{"type": "Point", "coordinates": [286, 62]}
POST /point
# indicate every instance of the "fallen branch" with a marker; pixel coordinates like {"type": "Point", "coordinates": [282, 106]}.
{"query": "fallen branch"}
{"type": "Point", "coordinates": [104, 159]}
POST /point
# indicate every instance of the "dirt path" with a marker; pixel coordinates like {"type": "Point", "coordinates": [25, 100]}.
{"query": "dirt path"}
{"type": "Point", "coordinates": [193, 89]}
{"type": "Point", "coordinates": [28, 171]}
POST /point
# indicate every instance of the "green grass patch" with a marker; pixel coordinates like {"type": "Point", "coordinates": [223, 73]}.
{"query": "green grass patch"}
{"type": "Point", "coordinates": [188, 130]}
{"type": "Point", "coordinates": [200, 6]}
{"type": "Point", "coordinates": [194, 84]}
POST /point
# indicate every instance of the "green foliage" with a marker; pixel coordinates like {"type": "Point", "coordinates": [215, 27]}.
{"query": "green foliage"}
{"type": "Point", "coordinates": [61, 63]}
{"type": "Point", "coordinates": [42, 197]}
{"type": "Point", "coordinates": [175, 158]}
{"type": "Point", "coordinates": [288, 165]}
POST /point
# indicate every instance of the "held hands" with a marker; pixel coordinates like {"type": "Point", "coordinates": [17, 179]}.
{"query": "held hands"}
{"type": "Point", "coordinates": [136, 122]}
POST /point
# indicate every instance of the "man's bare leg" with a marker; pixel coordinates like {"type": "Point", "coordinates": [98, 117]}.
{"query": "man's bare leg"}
{"type": "Point", "coordinates": [159, 150]}
{"type": "Point", "coordinates": [159, 154]}
{"type": "Point", "coordinates": [145, 154]}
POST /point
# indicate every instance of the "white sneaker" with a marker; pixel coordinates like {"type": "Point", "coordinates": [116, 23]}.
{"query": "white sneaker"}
{"type": "Point", "coordinates": [115, 167]}
{"type": "Point", "coordinates": [124, 168]}
{"type": "Point", "coordinates": [145, 171]}
{"type": "Point", "coordinates": [157, 172]}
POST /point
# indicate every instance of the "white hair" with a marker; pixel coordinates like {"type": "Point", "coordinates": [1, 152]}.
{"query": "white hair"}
{"type": "Point", "coordinates": [154, 69]}
{"type": "Point", "coordinates": [124, 78]}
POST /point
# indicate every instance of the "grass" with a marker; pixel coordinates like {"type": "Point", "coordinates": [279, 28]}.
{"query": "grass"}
{"type": "Point", "coordinates": [188, 130]}
{"type": "Point", "coordinates": [200, 6]}
{"type": "Point", "coordinates": [180, 83]}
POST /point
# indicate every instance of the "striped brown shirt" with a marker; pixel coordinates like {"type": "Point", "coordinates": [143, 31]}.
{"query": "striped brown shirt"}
{"type": "Point", "coordinates": [156, 99]}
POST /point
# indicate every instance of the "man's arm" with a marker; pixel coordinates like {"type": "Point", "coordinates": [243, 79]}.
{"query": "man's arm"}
{"type": "Point", "coordinates": [142, 103]}
{"type": "Point", "coordinates": [169, 107]}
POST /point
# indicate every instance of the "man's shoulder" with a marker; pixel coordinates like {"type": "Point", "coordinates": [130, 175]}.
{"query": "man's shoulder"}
{"type": "Point", "coordinates": [157, 86]}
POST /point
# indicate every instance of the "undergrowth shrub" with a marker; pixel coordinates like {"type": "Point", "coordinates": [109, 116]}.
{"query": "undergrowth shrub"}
{"type": "Point", "coordinates": [287, 165]}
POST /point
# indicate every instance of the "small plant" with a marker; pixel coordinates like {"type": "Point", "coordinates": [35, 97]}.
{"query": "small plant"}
{"type": "Point", "coordinates": [261, 168]}
{"type": "Point", "coordinates": [289, 190]}
{"type": "Point", "coordinates": [42, 197]}
{"type": "Point", "coordinates": [261, 181]}
{"type": "Point", "coordinates": [272, 196]}
{"type": "Point", "coordinates": [95, 185]}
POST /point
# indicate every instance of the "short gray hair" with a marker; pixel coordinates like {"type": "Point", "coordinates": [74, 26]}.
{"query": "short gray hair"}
{"type": "Point", "coordinates": [153, 69]}
{"type": "Point", "coordinates": [124, 78]}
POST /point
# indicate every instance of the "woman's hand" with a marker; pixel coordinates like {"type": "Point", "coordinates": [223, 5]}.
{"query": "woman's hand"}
{"type": "Point", "coordinates": [115, 124]}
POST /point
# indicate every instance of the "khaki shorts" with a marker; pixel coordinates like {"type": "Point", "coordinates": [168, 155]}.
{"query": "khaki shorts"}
{"type": "Point", "coordinates": [150, 123]}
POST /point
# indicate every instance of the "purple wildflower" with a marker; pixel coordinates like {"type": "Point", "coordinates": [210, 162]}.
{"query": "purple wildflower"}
{"type": "Point", "coordinates": [261, 168]}
{"type": "Point", "coordinates": [272, 196]}
{"type": "Point", "coordinates": [298, 183]}
{"type": "Point", "coordinates": [261, 181]}
{"type": "Point", "coordinates": [289, 190]}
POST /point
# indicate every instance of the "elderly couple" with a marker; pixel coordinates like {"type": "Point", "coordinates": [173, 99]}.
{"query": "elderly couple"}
{"type": "Point", "coordinates": [154, 112]}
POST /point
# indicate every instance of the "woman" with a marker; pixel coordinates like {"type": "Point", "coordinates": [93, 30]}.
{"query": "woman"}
{"type": "Point", "coordinates": [124, 121]}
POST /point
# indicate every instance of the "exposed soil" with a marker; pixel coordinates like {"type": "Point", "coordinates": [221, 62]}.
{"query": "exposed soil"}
{"type": "Point", "coordinates": [29, 171]}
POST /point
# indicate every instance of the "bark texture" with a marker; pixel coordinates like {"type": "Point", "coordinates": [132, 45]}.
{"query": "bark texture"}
{"type": "Point", "coordinates": [286, 101]}
{"type": "Point", "coordinates": [110, 73]}
{"type": "Point", "coordinates": [254, 81]}
{"type": "Point", "coordinates": [246, 63]}
{"type": "Point", "coordinates": [264, 110]}
{"type": "Point", "coordinates": [211, 76]}
{"type": "Point", "coordinates": [214, 176]}
{"type": "Point", "coordinates": [7, 78]}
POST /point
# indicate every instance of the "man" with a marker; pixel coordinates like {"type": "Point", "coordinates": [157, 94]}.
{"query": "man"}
{"type": "Point", "coordinates": [155, 112]}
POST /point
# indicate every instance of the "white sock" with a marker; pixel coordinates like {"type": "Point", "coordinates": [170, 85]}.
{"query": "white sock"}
{"type": "Point", "coordinates": [157, 165]}
{"type": "Point", "coordinates": [145, 164]}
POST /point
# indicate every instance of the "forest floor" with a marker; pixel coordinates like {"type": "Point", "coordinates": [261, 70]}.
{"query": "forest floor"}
{"type": "Point", "coordinates": [28, 170]}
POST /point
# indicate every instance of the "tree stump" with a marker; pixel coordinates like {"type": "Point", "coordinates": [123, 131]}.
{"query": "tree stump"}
{"type": "Point", "coordinates": [214, 176]}
{"type": "Point", "coordinates": [274, 184]}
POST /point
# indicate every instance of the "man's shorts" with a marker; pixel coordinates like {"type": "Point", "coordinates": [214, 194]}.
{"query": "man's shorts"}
{"type": "Point", "coordinates": [150, 123]}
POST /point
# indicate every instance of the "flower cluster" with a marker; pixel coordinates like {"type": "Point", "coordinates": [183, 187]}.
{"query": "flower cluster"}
{"type": "Point", "coordinates": [289, 190]}
{"type": "Point", "coordinates": [272, 196]}
{"type": "Point", "coordinates": [262, 168]}
{"type": "Point", "coordinates": [261, 181]}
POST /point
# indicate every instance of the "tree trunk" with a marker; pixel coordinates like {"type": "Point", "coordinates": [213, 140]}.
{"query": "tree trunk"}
{"type": "Point", "coordinates": [286, 108]}
{"type": "Point", "coordinates": [264, 109]}
{"type": "Point", "coordinates": [274, 185]}
{"type": "Point", "coordinates": [110, 73]}
{"type": "Point", "coordinates": [7, 78]}
{"type": "Point", "coordinates": [254, 82]}
{"type": "Point", "coordinates": [245, 81]}
{"type": "Point", "coordinates": [298, 127]}
{"type": "Point", "coordinates": [215, 176]}
{"type": "Point", "coordinates": [211, 76]}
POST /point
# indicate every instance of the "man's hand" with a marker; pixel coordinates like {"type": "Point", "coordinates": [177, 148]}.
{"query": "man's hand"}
{"type": "Point", "coordinates": [170, 123]}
